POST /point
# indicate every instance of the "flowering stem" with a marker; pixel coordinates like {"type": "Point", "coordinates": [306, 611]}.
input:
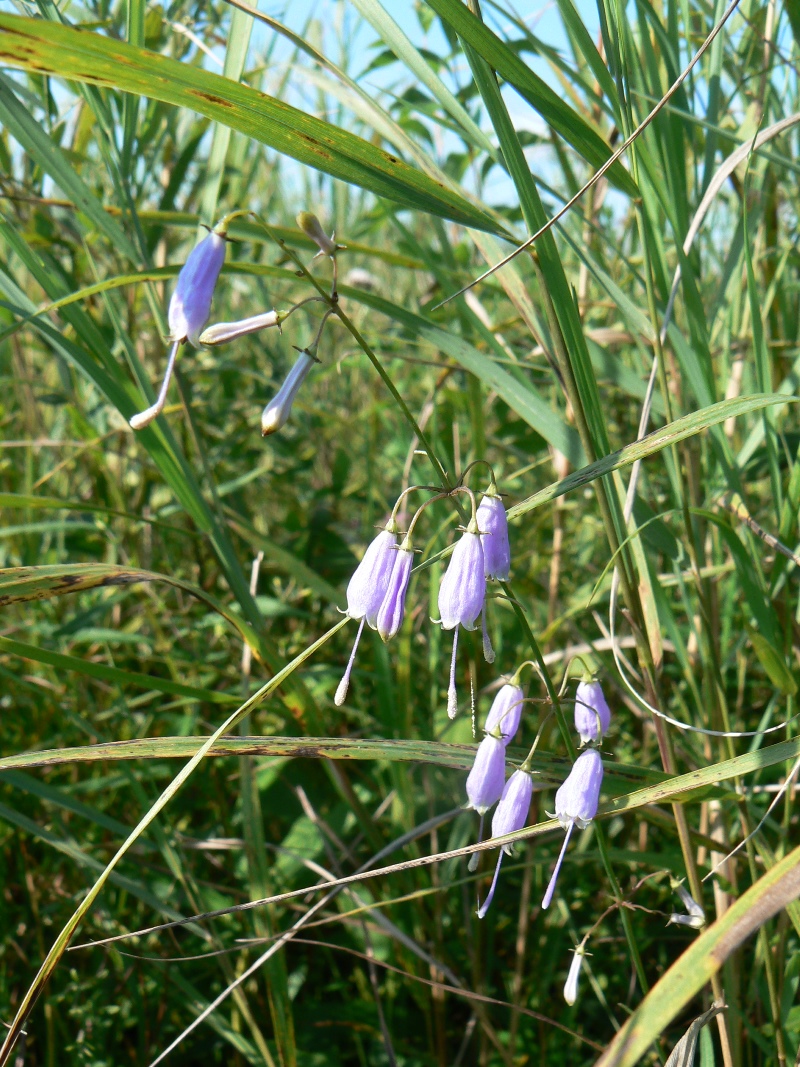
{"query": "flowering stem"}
{"type": "Point", "coordinates": [476, 463]}
{"type": "Point", "coordinates": [602, 845]}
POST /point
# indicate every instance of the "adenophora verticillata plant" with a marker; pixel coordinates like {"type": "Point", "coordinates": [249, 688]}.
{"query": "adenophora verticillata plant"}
{"type": "Point", "coordinates": [592, 714]}
{"type": "Point", "coordinates": [510, 815]}
{"type": "Point", "coordinates": [366, 590]}
{"type": "Point", "coordinates": [488, 775]}
{"type": "Point", "coordinates": [376, 593]}
{"type": "Point", "coordinates": [576, 804]}
{"type": "Point", "coordinates": [190, 305]}
{"type": "Point", "coordinates": [505, 712]}
{"type": "Point", "coordinates": [462, 592]}
{"type": "Point", "coordinates": [493, 525]}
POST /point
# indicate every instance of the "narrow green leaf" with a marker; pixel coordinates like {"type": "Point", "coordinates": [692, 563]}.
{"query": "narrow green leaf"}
{"type": "Point", "coordinates": [67, 52]}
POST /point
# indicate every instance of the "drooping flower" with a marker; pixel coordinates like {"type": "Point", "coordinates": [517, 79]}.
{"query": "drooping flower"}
{"type": "Point", "coordinates": [488, 775]}
{"type": "Point", "coordinates": [592, 715]}
{"type": "Point", "coordinates": [510, 815]}
{"type": "Point", "coordinates": [505, 712]}
{"type": "Point", "coordinates": [366, 590]}
{"type": "Point", "coordinates": [312, 227]}
{"type": "Point", "coordinates": [576, 804]}
{"type": "Point", "coordinates": [696, 917]}
{"type": "Point", "coordinates": [393, 607]}
{"type": "Point", "coordinates": [571, 984]}
{"type": "Point", "coordinates": [278, 410]}
{"type": "Point", "coordinates": [189, 307]}
{"type": "Point", "coordinates": [493, 524]}
{"type": "Point", "coordinates": [223, 332]}
{"type": "Point", "coordinates": [461, 595]}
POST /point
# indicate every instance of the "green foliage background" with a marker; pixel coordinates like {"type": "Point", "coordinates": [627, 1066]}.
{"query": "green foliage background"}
{"type": "Point", "coordinates": [126, 558]}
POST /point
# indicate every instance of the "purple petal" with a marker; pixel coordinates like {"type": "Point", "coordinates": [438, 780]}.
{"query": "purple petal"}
{"type": "Point", "coordinates": [591, 708]}
{"type": "Point", "coordinates": [505, 712]}
{"type": "Point", "coordinates": [493, 524]}
{"type": "Point", "coordinates": [511, 813]}
{"type": "Point", "coordinates": [463, 587]}
{"type": "Point", "coordinates": [487, 777]}
{"type": "Point", "coordinates": [578, 797]}
{"type": "Point", "coordinates": [367, 587]}
{"type": "Point", "coordinates": [393, 607]}
{"type": "Point", "coordinates": [190, 306]}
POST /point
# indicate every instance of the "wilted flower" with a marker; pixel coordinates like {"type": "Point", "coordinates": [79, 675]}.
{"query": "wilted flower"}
{"type": "Point", "coordinates": [505, 712]}
{"type": "Point", "coordinates": [571, 984]}
{"type": "Point", "coordinates": [592, 716]}
{"type": "Point", "coordinates": [696, 917]}
{"type": "Point", "coordinates": [461, 596]}
{"type": "Point", "coordinates": [279, 409]}
{"type": "Point", "coordinates": [510, 815]}
{"type": "Point", "coordinates": [488, 775]}
{"type": "Point", "coordinates": [366, 590]}
{"type": "Point", "coordinates": [222, 332]}
{"type": "Point", "coordinates": [312, 227]}
{"type": "Point", "coordinates": [576, 804]}
{"type": "Point", "coordinates": [493, 525]}
{"type": "Point", "coordinates": [190, 306]}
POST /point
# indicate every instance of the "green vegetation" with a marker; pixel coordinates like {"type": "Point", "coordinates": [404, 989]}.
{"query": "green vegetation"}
{"type": "Point", "coordinates": [170, 645]}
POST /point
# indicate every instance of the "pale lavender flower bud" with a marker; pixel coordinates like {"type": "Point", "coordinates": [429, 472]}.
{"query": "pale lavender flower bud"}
{"type": "Point", "coordinates": [488, 775]}
{"type": "Point", "coordinates": [571, 984]}
{"type": "Point", "coordinates": [190, 305]}
{"type": "Point", "coordinates": [512, 812]}
{"type": "Point", "coordinates": [222, 332]}
{"type": "Point", "coordinates": [505, 712]}
{"type": "Point", "coordinates": [463, 586]}
{"type": "Point", "coordinates": [392, 610]}
{"type": "Point", "coordinates": [461, 596]}
{"type": "Point", "coordinates": [493, 524]}
{"type": "Point", "coordinates": [278, 410]}
{"type": "Point", "coordinates": [696, 917]}
{"type": "Point", "coordinates": [592, 715]}
{"type": "Point", "coordinates": [576, 804]}
{"type": "Point", "coordinates": [578, 797]}
{"type": "Point", "coordinates": [312, 227]}
{"type": "Point", "coordinates": [366, 590]}
{"type": "Point", "coordinates": [510, 815]}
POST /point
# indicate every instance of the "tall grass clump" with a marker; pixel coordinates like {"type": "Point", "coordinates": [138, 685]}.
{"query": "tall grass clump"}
{"type": "Point", "coordinates": [399, 559]}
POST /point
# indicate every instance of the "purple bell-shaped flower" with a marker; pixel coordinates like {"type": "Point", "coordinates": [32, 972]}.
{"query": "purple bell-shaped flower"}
{"type": "Point", "coordinates": [488, 775]}
{"type": "Point", "coordinates": [493, 524]}
{"type": "Point", "coordinates": [576, 804]}
{"type": "Point", "coordinates": [592, 715]}
{"type": "Point", "coordinates": [461, 595]}
{"type": "Point", "coordinates": [510, 815]}
{"type": "Point", "coordinates": [366, 590]}
{"type": "Point", "coordinates": [393, 606]}
{"type": "Point", "coordinates": [190, 307]}
{"type": "Point", "coordinates": [505, 712]}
